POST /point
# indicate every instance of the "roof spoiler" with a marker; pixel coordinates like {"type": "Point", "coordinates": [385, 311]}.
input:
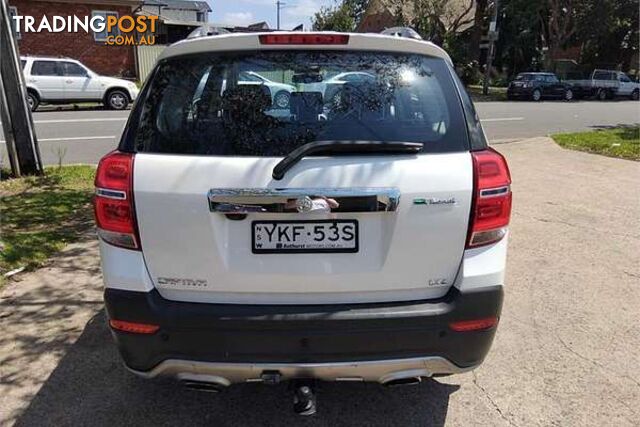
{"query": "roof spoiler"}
{"type": "Point", "coordinates": [406, 32]}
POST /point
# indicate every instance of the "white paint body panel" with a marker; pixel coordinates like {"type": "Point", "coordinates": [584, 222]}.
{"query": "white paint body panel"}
{"type": "Point", "coordinates": [484, 266]}
{"type": "Point", "coordinates": [124, 269]}
{"type": "Point", "coordinates": [416, 252]}
{"type": "Point", "coordinates": [250, 41]}
{"type": "Point", "coordinates": [400, 252]}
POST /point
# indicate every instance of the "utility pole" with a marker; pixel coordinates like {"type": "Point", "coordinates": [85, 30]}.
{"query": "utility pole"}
{"type": "Point", "coordinates": [279, 5]}
{"type": "Point", "coordinates": [493, 36]}
{"type": "Point", "coordinates": [17, 123]}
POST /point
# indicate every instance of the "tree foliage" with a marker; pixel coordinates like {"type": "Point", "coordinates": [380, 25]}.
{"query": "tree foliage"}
{"type": "Point", "coordinates": [558, 21]}
{"type": "Point", "coordinates": [341, 16]}
{"type": "Point", "coordinates": [333, 18]}
{"type": "Point", "coordinates": [532, 32]}
{"type": "Point", "coordinates": [608, 31]}
{"type": "Point", "coordinates": [434, 20]}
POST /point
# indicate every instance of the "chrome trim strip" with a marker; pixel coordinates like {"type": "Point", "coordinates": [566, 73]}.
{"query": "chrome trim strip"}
{"type": "Point", "coordinates": [111, 194]}
{"type": "Point", "coordinates": [381, 371]}
{"type": "Point", "coordinates": [288, 200]}
{"type": "Point", "coordinates": [494, 192]}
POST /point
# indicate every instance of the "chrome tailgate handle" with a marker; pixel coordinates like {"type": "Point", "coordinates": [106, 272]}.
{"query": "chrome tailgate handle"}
{"type": "Point", "coordinates": [303, 200]}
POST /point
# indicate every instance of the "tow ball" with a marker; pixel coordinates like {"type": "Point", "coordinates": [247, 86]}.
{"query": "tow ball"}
{"type": "Point", "coordinates": [304, 397]}
{"type": "Point", "coordinates": [304, 392]}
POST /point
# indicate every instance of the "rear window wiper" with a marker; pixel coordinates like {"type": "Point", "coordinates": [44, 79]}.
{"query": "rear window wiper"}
{"type": "Point", "coordinates": [343, 147]}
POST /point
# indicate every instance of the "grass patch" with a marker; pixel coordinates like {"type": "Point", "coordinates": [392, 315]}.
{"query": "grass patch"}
{"type": "Point", "coordinates": [495, 93]}
{"type": "Point", "coordinates": [40, 215]}
{"type": "Point", "coordinates": [622, 142]}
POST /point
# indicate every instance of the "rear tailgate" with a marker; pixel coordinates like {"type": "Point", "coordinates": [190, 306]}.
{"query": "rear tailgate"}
{"type": "Point", "coordinates": [194, 254]}
{"type": "Point", "coordinates": [199, 130]}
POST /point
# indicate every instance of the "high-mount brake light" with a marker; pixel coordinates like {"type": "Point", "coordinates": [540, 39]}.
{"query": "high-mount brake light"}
{"type": "Point", "coordinates": [491, 208]}
{"type": "Point", "coordinates": [113, 201]}
{"type": "Point", "coordinates": [305, 39]}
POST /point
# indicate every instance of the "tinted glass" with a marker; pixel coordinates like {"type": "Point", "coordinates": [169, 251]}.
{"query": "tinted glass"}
{"type": "Point", "coordinates": [624, 78]}
{"type": "Point", "coordinates": [477, 140]}
{"type": "Point", "coordinates": [248, 77]}
{"type": "Point", "coordinates": [602, 75]}
{"type": "Point", "coordinates": [44, 68]}
{"type": "Point", "coordinates": [525, 76]}
{"type": "Point", "coordinates": [73, 69]}
{"type": "Point", "coordinates": [199, 104]}
{"type": "Point", "coordinates": [23, 63]}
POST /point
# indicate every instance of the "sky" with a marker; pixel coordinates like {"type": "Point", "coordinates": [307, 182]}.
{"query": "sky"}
{"type": "Point", "coordinates": [244, 12]}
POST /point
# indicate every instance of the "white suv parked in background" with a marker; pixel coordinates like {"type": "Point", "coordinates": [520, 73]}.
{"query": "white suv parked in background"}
{"type": "Point", "coordinates": [357, 238]}
{"type": "Point", "coordinates": [64, 80]}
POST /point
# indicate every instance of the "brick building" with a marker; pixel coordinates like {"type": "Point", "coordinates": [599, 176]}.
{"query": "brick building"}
{"type": "Point", "coordinates": [89, 48]}
{"type": "Point", "coordinates": [382, 14]}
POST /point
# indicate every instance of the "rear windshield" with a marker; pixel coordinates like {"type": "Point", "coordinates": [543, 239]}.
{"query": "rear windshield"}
{"type": "Point", "coordinates": [269, 103]}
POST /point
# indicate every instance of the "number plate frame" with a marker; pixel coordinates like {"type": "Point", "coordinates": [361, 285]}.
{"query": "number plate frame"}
{"type": "Point", "coordinates": [355, 249]}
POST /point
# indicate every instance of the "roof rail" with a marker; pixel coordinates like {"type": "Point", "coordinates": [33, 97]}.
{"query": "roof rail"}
{"type": "Point", "coordinates": [407, 32]}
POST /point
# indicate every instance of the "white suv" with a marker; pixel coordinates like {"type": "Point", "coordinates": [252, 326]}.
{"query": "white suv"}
{"type": "Point", "coordinates": [358, 238]}
{"type": "Point", "coordinates": [64, 80]}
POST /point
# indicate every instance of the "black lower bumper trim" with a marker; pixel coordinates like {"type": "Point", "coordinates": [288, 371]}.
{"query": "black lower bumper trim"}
{"type": "Point", "coordinates": [302, 333]}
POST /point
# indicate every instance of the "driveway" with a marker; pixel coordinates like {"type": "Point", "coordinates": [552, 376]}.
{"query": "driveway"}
{"type": "Point", "coordinates": [566, 352]}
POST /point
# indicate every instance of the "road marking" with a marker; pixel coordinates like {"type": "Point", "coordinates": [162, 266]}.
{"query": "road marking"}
{"type": "Point", "coordinates": [71, 138]}
{"type": "Point", "coordinates": [503, 119]}
{"type": "Point", "coordinates": [106, 119]}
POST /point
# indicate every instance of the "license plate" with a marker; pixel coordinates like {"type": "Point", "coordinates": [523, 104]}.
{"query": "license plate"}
{"type": "Point", "coordinates": [306, 236]}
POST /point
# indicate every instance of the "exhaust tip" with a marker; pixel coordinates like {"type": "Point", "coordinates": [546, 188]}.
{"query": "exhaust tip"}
{"type": "Point", "coordinates": [203, 386]}
{"type": "Point", "coordinates": [403, 381]}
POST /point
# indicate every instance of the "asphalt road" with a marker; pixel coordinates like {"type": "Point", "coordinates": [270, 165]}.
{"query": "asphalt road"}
{"type": "Point", "coordinates": [566, 351]}
{"type": "Point", "coordinates": [85, 136]}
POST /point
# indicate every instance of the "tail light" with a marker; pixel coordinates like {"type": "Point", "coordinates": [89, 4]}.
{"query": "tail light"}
{"type": "Point", "coordinates": [307, 39]}
{"type": "Point", "coordinates": [113, 202]}
{"type": "Point", "coordinates": [491, 207]}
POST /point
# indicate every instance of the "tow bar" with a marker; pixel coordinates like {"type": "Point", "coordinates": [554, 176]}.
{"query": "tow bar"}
{"type": "Point", "coordinates": [304, 397]}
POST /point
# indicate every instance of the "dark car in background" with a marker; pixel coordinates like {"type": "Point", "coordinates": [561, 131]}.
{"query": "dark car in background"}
{"type": "Point", "coordinates": [538, 86]}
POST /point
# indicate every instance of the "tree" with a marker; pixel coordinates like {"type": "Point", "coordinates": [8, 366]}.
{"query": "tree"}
{"type": "Point", "coordinates": [434, 20]}
{"type": "Point", "coordinates": [342, 16]}
{"type": "Point", "coordinates": [519, 47]}
{"type": "Point", "coordinates": [479, 18]}
{"type": "Point", "coordinates": [558, 22]}
{"type": "Point", "coordinates": [338, 17]}
{"type": "Point", "coordinates": [608, 32]}
{"type": "Point", "coordinates": [356, 8]}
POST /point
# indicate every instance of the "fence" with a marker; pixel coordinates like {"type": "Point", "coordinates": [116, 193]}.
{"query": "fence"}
{"type": "Point", "coordinates": [146, 59]}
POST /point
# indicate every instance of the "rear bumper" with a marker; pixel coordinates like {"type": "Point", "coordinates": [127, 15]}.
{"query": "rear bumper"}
{"type": "Point", "coordinates": [381, 371]}
{"type": "Point", "coordinates": [365, 341]}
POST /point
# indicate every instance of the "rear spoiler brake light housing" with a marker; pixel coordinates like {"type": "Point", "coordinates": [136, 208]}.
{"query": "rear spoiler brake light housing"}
{"type": "Point", "coordinates": [304, 39]}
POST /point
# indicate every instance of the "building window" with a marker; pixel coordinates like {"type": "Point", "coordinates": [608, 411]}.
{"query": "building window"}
{"type": "Point", "coordinates": [102, 36]}
{"type": "Point", "coordinates": [13, 11]}
{"type": "Point", "coordinates": [200, 17]}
